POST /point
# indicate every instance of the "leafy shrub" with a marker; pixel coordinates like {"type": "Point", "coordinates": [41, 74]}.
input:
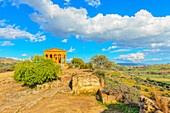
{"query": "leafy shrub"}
{"type": "Point", "coordinates": [12, 67]}
{"type": "Point", "coordinates": [146, 90]}
{"type": "Point", "coordinates": [37, 70]}
{"type": "Point", "coordinates": [100, 73]}
{"type": "Point", "coordinates": [85, 66]}
{"type": "Point", "coordinates": [137, 87]}
{"type": "Point", "coordinates": [70, 65]}
{"type": "Point", "coordinates": [77, 61]}
{"type": "Point", "coordinates": [123, 93]}
{"type": "Point", "coordinates": [148, 78]}
{"type": "Point", "coordinates": [161, 89]}
{"type": "Point", "coordinates": [76, 66]}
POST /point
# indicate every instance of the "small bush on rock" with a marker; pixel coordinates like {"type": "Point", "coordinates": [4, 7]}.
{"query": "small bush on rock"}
{"type": "Point", "coordinates": [37, 70]}
{"type": "Point", "coordinates": [100, 73]}
{"type": "Point", "coordinates": [123, 93]}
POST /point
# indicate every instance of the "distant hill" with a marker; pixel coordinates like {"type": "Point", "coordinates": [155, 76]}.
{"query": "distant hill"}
{"type": "Point", "coordinates": [6, 63]}
{"type": "Point", "coordinates": [132, 64]}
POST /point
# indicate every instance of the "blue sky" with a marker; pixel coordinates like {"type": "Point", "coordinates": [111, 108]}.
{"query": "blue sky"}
{"type": "Point", "coordinates": [124, 30]}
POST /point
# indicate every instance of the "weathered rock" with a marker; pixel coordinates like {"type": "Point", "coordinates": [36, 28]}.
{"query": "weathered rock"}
{"type": "Point", "coordinates": [106, 98]}
{"type": "Point", "coordinates": [86, 83]}
{"type": "Point", "coordinates": [147, 105]}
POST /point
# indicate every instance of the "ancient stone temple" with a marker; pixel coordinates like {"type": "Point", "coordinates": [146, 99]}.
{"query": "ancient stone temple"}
{"type": "Point", "coordinates": [58, 55]}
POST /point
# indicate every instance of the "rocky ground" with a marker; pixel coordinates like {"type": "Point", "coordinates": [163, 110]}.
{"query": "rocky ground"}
{"type": "Point", "coordinates": [50, 98]}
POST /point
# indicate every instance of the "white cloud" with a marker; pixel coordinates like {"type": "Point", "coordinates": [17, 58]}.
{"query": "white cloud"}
{"type": "Point", "coordinates": [67, 2]}
{"type": "Point", "coordinates": [134, 57]}
{"type": "Point", "coordinates": [77, 37]}
{"type": "Point", "coordinates": [16, 58]}
{"type": "Point", "coordinates": [2, 22]}
{"type": "Point", "coordinates": [69, 60]}
{"type": "Point", "coordinates": [71, 50]}
{"type": "Point", "coordinates": [65, 41]}
{"type": "Point", "coordinates": [158, 49]}
{"type": "Point", "coordinates": [153, 59]}
{"type": "Point", "coordinates": [24, 54]}
{"type": "Point", "coordinates": [13, 32]}
{"type": "Point", "coordinates": [7, 43]}
{"type": "Point", "coordinates": [120, 50]}
{"type": "Point", "coordinates": [112, 47]}
{"type": "Point", "coordinates": [94, 3]}
{"type": "Point", "coordinates": [138, 31]}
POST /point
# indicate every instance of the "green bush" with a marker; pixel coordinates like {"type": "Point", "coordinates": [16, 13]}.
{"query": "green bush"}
{"type": "Point", "coordinates": [148, 78]}
{"type": "Point", "coordinates": [85, 66]}
{"type": "Point", "coordinates": [37, 70]}
{"type": "Point", "coordinates": [123, 93]}
{"type": "Point", "coordinates": [100, 73]}
{"type": "Point", "coordinates": [76, 66]}
{"type": "Point", "coordinates": [162, 89]}
{"type": "Point", "coordinates": [137, 87]}
{"type": "Point", "coordinates": [12, 68]}
{"type": "Point", "coordinates": [146, 90]}
{"type": "Point", "coordinates": [70, 65]}
{"type": "Point", "coordinates": [77, 61]}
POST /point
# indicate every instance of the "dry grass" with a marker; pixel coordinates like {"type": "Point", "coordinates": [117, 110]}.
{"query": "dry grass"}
{"type": "Point", "coordinates": [160, 102]}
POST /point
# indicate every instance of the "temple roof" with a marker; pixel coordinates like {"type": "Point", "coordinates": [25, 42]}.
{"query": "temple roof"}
{"type": "Point", "coordinates": [54, 50]}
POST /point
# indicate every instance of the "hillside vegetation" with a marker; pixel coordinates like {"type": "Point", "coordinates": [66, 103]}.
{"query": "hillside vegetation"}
{"type": "Point", "coordinates": [7, 63]}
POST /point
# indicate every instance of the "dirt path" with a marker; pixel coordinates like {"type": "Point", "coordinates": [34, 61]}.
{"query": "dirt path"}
{"type": "Point", "coordinates": [16, 98]}
{"type": "Point", "coordinates": [66, 103]}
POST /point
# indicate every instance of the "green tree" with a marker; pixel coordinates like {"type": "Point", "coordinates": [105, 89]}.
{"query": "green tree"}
{"type": "Point", "coordinates": [77, 61]}
{"type": "Point", "coordinates": [36, 70]}
{"type": "Point", "coordinates": [101, 62]}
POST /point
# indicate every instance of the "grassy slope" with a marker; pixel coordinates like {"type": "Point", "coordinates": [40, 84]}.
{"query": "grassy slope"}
{"type": "Point", "coordinates": [6, 63]}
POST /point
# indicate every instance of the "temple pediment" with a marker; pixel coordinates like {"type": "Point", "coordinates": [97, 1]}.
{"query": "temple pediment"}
{"type": "Point", "coordinates": [54, 50]}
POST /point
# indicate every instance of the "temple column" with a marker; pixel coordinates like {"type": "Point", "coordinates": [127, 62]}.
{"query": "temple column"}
{"type": "Point", "coordinates": [57, 58]}
{"type": "Point", "coordinates": [48, 55]}
{"type": "Point", "coordinates": [61, 59]}
{"type": "Point", "coordinates": [53, 57]}
{"type": "Point", "coordinates": [65, 59]}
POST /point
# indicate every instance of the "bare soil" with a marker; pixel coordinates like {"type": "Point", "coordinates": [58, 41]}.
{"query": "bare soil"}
{"type": "Point", "coordinates": [16, 98]}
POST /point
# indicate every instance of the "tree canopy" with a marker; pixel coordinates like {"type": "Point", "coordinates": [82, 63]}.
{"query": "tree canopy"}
{"type": "Point", "coordinates": [77, 61]}
{"type": "Point", "coordinates": [101, 62]}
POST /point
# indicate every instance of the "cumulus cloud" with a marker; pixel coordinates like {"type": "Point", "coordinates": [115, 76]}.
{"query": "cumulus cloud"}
{"type": "Point", "coordinates": [112, 47]}
{"type": "Point", "coordinates": [7, 43]}
{"type": "Point", "coordinates": [120, 50]}
{"type": "Point", "coordinates": [71, 50]}
{"type": "Point", "coordinates": [134, 57]}
{"type": "Point", "coordinates": [94, 3]}
{"type": "Point", "coordinates": [65, 41]}
{"type": "Point", "coordinates": [13, 32]}
{"type": "Point", "coordinates": [24, 55]}
{"type": "Point", "coordinates": [138, 31]}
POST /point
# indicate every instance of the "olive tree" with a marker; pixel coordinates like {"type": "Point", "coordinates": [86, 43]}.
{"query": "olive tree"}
{"type": "Point", "coordinates": [100, 62]}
